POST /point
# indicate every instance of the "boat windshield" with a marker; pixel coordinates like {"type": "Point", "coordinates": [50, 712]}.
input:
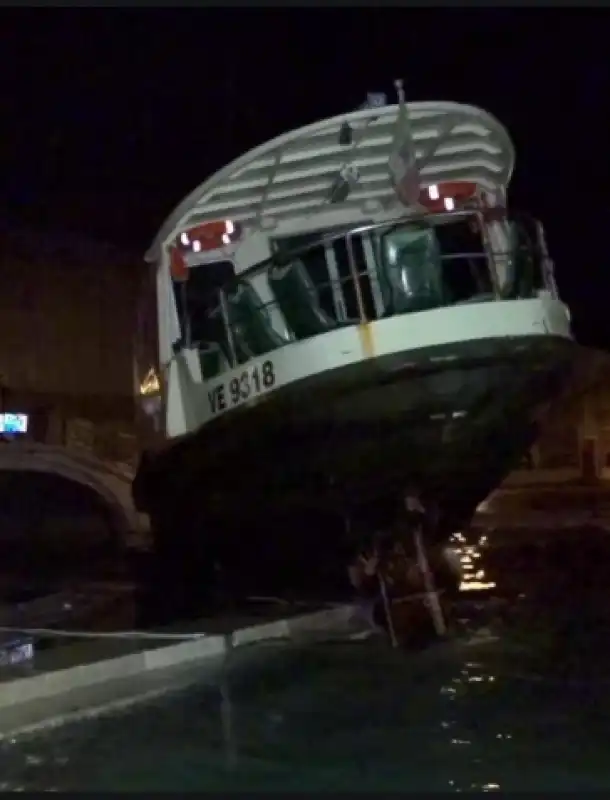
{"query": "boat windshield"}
{"type": "Point", "coordinates": [423, 266]}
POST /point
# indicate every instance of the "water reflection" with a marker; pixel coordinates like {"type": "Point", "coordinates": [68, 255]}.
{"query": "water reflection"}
{"type": "Point", "coordinates": [477, 734]}
{"type": "Point", "coordinates": [469, 553]}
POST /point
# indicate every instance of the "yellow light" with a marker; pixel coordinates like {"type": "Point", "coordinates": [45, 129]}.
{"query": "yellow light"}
{"type": "Point", "coordinates": [473, 580]}
{"type": "Point", "coordinates": [476, 586]}
{"type": "Point", "coordinates": [150, 384]}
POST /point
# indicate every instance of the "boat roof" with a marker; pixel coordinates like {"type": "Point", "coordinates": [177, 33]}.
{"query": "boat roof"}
{"type": "Point", "coordinates": [291, 176]}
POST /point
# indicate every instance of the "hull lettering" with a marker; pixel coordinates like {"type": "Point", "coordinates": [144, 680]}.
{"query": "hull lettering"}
{"type": "Point", "coordinates": [249, 383]}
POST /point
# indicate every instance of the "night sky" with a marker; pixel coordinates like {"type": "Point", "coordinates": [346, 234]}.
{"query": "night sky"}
{"type": "Point", "coordinates": [110, 116]}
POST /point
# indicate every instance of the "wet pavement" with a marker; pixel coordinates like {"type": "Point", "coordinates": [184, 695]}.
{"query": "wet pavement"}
{"type": "Point", "coordinates": [55, 653]}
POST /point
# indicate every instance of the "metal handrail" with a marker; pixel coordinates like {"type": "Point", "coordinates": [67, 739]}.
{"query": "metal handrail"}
{"type": "Point", "coordinates": [487, 254]}
{"type": "Point", "coordinates": [354, 278]}
{"type": "Point", "coordinates": [348, 231]}
{"type": "Point", "coordinates": [365, 273]}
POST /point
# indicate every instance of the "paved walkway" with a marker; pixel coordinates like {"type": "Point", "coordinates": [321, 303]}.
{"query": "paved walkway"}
{"type": "Point", "coordinates": [73, 652]}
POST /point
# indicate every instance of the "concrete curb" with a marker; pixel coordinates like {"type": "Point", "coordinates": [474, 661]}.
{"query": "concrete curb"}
{"type": "Point", "coordinates": [27, 690]}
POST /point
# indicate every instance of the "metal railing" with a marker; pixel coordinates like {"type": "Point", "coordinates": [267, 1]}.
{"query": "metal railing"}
{"type": "Point", "coordinates": [483, 268]}
{"type": "Point", "coordinates": [431, 220]}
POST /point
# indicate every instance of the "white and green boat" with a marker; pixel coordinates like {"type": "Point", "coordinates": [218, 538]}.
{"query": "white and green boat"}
{"type": "Point", "coordinates": [341, 311]}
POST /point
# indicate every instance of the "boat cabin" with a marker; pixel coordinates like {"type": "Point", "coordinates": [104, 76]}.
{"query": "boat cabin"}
{"type": "Point", "coordinates": [306, 236]}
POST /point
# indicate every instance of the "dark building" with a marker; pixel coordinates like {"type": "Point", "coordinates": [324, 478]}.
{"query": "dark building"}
{"type": "Point", "coordinates": [67, 312]}
{"type": "Point", "coordinates": [67, 322]}
{"type": "Point", "coordinates": [574, 441]}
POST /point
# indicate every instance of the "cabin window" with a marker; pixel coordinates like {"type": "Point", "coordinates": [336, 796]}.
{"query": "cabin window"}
{"type": "Point", "coordinates": [319, 268]}
{"type": "Point", "coordinates": [364, 268]}
{"type": "Point", "coordinates": [327, 264]}
{"type": "Point", "coordinates": [526, 255]}
{"type": "Point", "coordinates": [426, 266]}
{"type": "Point", "coordinates": [466, 273]}
{"type": "Point", "coordinates": [198, 297]}
{"type": "Point", "coordinates": [410, 267]}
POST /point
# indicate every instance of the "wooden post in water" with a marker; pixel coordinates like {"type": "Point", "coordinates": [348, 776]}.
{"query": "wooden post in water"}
{"type": "Point", "coordinates": [226, 708]}
{"type": "Point", "coordinates": [436, 612]}
{"type": "Point", "coordinates": [387, 607]}
{"type": "Point", "coordinates": [434, 605]}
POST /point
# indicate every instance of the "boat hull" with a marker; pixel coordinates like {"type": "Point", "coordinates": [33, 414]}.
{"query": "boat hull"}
{"type": "Point", "coordinates": [276, 496]}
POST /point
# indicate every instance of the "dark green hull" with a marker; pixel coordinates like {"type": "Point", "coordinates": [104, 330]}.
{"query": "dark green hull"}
{"type": "Point", "coordinates": [275, 497]}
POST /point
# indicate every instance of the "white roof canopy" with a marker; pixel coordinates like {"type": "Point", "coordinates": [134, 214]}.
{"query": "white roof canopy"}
{"type": "Point", "coordinates": [292, 175]}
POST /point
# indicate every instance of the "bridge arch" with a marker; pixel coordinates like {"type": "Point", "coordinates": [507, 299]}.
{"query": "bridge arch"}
{"type": "Point", "coordinates": [110, 482]}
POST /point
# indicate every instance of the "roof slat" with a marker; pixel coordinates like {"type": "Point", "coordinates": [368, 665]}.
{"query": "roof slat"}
{"type": "Point", "coordinates": [291, 176]}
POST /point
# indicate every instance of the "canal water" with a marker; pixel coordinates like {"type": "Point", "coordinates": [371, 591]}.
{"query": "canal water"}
{"type": "Point", "coordinates": [354, 716]}
{"type": "Point", "coordinates": [524, 709]}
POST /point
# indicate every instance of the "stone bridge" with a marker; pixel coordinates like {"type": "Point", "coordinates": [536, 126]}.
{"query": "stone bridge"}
{"type": "Point", "coordinates": [112, 482]}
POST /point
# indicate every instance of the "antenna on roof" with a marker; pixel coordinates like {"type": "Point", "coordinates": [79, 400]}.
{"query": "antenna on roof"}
{"type": "Point", "coordinates": [402, 164]}
{"type": "Point", "coordinates": [400, 91]}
